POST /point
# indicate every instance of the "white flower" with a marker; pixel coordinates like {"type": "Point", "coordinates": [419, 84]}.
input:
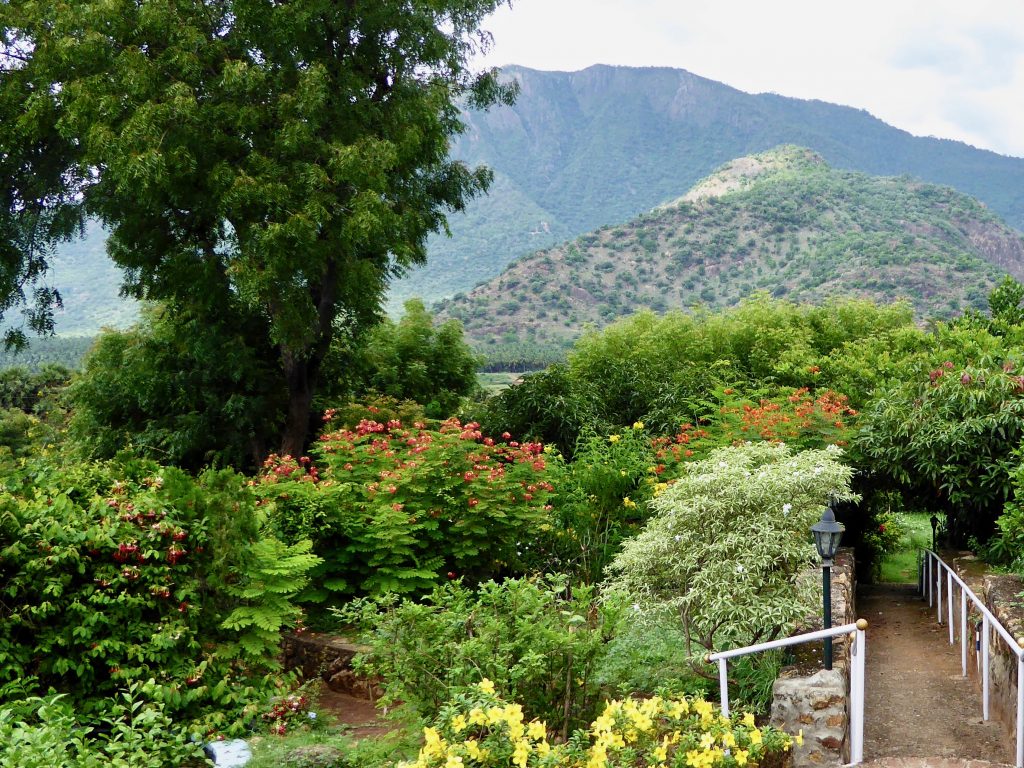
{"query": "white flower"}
{"type": "Point", "coordinates": [636, 607]}
{"type": "Point", "coordinates": [678, 538]}
{"type": "Point", "coordinates": [818, 470]}
{"type": "Point", "coordinates": [739, 569]}
{"type": "Point", "coordinates": [786, 508]}
{"type": "Point", "coordinates": [311, 715]}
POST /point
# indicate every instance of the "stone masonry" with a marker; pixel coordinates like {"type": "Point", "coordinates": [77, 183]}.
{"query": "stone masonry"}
{"type": "Point", "coordinates": [809, 698]}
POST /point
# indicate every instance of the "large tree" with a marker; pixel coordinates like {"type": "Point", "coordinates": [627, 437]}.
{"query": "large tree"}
{"type": "Point", "coordinates": [284, 158]}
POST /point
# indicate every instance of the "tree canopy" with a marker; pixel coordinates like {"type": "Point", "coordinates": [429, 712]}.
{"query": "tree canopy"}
{"type": "Point", "coordinates": [279, 160]}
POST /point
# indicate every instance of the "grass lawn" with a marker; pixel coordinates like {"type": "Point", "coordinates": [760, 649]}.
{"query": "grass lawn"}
{"type": "Point", "coordinates": [901, 566]}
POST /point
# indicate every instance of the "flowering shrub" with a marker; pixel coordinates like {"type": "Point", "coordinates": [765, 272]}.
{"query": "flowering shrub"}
{"type": "Point", "coordinates": [480, 728]}
{"type": "Point", "coordinates": [950, 438]}
{"type": "Point", "coordinates": [395, 508]}
{"type": "Point", "coordinates": [128, 571]}
{"type": "Point", "coordinates": [728, 540]}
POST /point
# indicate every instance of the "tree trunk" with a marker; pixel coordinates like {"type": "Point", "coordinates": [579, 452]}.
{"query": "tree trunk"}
{"type": "Point", "coordinates": [302, 368]}
{"type": "Point", "coordinates": [301, 384]}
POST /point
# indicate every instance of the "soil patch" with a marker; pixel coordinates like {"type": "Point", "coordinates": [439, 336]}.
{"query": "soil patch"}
{"type": "Point", "coordinates": [917, 704]}
{"type": "Point", "coordinates": [361, 717]}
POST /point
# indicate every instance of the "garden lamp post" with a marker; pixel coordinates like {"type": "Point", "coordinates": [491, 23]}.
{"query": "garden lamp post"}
{"type": "Point", "coordinates": [827, 533]}
{"type": "Point", "coordinates": [935, 530]}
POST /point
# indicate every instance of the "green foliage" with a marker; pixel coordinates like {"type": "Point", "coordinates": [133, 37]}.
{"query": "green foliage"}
{"type": "Point", "coordinates": [179, 389]}
{"type": "Point", "coordinates": [135, 733]}
{"type": "Point", "coordinates": [393, 508]}
{"type": "Point", "coordinates": [689, 368]}
{"type": "Point", "coordinates": [248, 167]}
{"type": "Point", "coordinates": [540, 640]}
{"type": "Point", "coordinates": [414, 360]}
{"type": "Point", "coordinates": [727, 542]}
{"type": "Point", "coordinates": [949, 437]}
{"type": "Point", "coordinates": [120, 572]}
{"type": "Point", "coordinates": [547, 406]}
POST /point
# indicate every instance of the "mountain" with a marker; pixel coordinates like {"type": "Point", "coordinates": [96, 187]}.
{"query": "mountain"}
{"type": "Point", "coordinates": [783, 221]}
{"type": "Point", "coordinates": [584, 149]}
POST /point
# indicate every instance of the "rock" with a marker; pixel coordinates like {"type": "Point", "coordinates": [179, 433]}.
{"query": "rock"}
{"type": "Point", "coordinates": [228, 754]}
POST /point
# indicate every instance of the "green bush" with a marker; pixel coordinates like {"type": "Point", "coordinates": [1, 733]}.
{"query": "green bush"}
{"type": "Point", "coordinates": [538, 639]}
{"type": "Point", "coordinates": [134, 733]}
{"type": "Point", "coordinates": [727, 542]}
{"type": "Point", "coordinates": [126, 571]}
{"type": "Point", "coordinates": [393, 508]}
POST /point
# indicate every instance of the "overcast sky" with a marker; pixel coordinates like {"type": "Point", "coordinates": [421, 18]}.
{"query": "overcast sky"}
{"type": "Point", "coordinates": [947, 68]}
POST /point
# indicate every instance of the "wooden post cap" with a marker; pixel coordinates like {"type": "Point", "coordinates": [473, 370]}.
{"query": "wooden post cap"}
{"type": "Point", "coordinates": [862, 624]}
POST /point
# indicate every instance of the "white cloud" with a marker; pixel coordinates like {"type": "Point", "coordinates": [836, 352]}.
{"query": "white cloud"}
{"type": "Point", "coordinates": [933, 67]}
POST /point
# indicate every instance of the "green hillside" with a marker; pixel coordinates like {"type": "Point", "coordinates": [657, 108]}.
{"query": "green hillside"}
{"type": "Point", "coordinates": [784, 222]}
{"type": "Point", "coordinates": [580, 150]}
{"type": "Point", "coordinates": [605, 144]}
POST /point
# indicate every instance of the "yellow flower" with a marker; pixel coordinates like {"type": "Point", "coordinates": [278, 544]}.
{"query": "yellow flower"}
{"type": "Point", "coordinates": [629, 503]}
{"type": "Point", "coordinates": [495, 715]}
{"type": "Point", "coordinates": [543, 748]}
{"type": "Point", "coordinates": [755, 736]}
{"type": "Point", "coordinates": [453, 761]}
{"type": "Point", "coordinates": [614, 438]}
{"type": "Point", "coordinates": [800, 738]}
{"type": "Point", "coordinates": [473, 749]}
{"type": "Point", "coordinates": [486, 686]}
{"type": "Point", "coordinates": [536, 730]}
{"type": "Point", "coordinates": [521, 753]}
{"type": "Point", "coordinates": [678, 709]}
{"type": "Point", "coordinates": [705, 709]}
{"type": "Point", "coordinates": [638, 425]}
{"type": "Point", "coordinates": [434, 744]}
{"type": "Point", "coordinates": [477, 716]}
{"type": "Point", "coordinates": [459, 723]}
{"type": "Point", "coordinates": [707, 740]}
{"type": "Point", "coordinates": [748, 720]}
{"type": "Point", "coordinates": [728, 740]}
{"type": "Point", "coordinates": [741, 757]}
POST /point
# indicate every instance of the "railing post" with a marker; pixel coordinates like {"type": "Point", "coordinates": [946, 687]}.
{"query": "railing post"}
{"type": "Point", "coordinates": [723, 684]}
{"type": "Point", "coordinates": [938, 593]}
{"type": "Point", "coordinates": [928, 558]}
{"type": "Point", "coordinates": [858, 653]}
{"type": "Point", "coordinates": [984, 666]}
{"type": "Point", "coordinates": [920, 576]}
{"type": "Point", "coordinates": [949, 603]}
{"type": "Point", "coordinates": [1020, 710]}
{"type": "Point", "coordinates": [963, 631]}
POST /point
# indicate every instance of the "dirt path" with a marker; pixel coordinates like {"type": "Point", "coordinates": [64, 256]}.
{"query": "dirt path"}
{"type": "Point", "coordinates": [917, 704]}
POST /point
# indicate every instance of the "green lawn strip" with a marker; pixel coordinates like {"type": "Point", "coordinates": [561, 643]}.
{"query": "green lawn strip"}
{"type": "Point", "coordinates": [901, 566]}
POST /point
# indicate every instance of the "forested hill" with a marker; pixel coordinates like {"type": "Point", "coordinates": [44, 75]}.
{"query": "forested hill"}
{"type": "Point", "coordinates": [784, 222]}
{"type": "Point", "coordinates": [583, 149]}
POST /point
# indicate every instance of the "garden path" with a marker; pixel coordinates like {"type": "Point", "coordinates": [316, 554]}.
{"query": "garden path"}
{"type": "Point", "coordinates": [917, 704]}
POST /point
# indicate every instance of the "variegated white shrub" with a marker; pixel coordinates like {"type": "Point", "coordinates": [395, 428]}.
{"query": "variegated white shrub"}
{"type": "Point", "coordinates": [727, 542]}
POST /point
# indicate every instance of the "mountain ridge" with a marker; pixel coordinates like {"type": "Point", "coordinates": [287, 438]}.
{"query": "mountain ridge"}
{"type": "Point", "coordinates": [601, 145]}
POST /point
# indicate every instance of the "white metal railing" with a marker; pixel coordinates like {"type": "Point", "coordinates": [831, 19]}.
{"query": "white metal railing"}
{"type": "Point", "coordinates": [932, 567]}
{"type": "Point", "coordinates": [857, 654]}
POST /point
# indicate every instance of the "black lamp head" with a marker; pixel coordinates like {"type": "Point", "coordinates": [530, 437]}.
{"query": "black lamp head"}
{"type": "Point", "coordinates": [827, 533]}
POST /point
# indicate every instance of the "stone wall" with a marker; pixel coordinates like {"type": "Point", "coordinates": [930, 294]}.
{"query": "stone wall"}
{"type": "Point", "coordinates": [1000, 594]}
{"type": "Point", "coordinates": [328, 657]}
{"type": "Point", "coordinates": [809, 698]}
